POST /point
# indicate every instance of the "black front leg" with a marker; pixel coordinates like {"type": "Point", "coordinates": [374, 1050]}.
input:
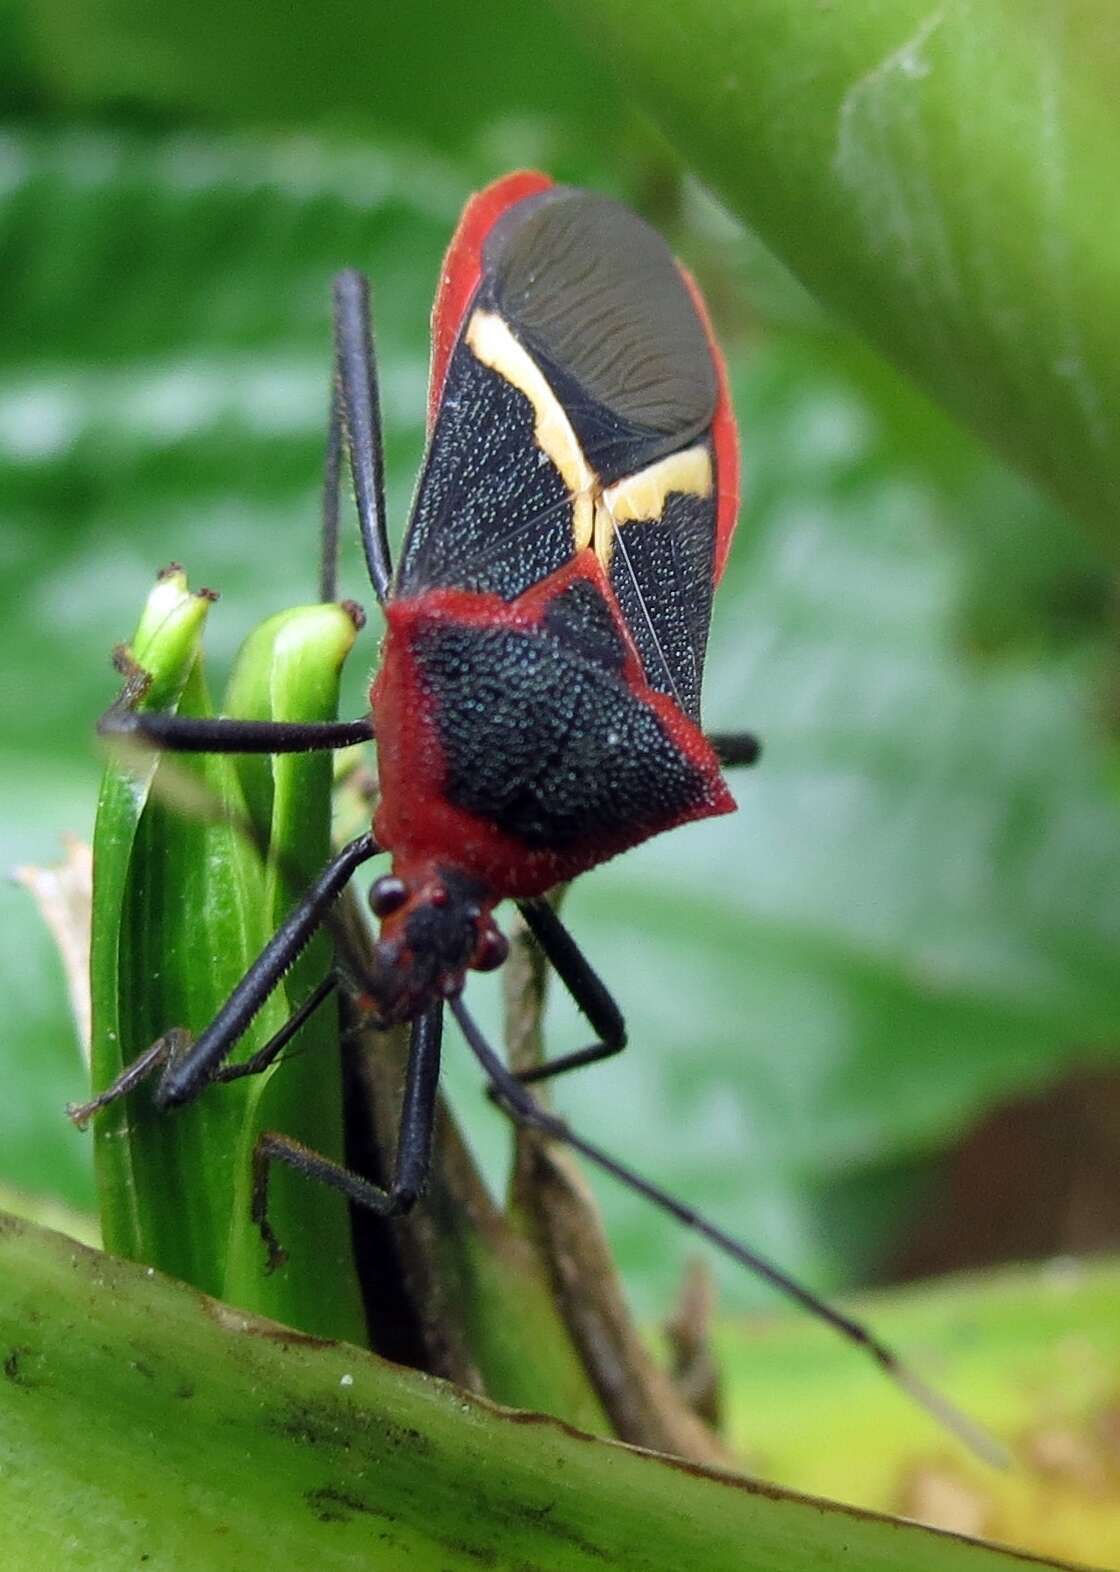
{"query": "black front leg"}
{"type": "Point", "coordinates": [257, 1063]}
{"type": "Point", "coordinates": [221, 734]}
{"type": "Point", "coordinates": [586, 988]}
{"type": "Point", "coordinates": [189, 1066]}
{"type": "Point", "coordinates": [187, 1075]}
{"type": "Point", "coordinates": [172, 1046]}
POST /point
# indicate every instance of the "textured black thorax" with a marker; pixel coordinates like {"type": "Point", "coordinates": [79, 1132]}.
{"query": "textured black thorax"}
{"type": "Point", "coordinates": [541, 734]}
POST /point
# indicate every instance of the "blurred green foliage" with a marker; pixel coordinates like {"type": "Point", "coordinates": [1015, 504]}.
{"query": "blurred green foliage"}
{"type": "Point", "coordinates": [182, 906]}
{"type": "Point", "coordinates": [941, 175]}
{"type": "Point", "coordinates": [917, 910]}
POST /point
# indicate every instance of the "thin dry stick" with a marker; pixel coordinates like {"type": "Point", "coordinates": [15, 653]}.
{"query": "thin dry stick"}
{"type": "Point", "coordinates": [644, 1405]}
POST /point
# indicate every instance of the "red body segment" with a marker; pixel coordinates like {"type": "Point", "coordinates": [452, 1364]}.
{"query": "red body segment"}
{"type": "Point", "coordinates": [416, 819]}
{"type": "Point", "coordinates": [725, 439]}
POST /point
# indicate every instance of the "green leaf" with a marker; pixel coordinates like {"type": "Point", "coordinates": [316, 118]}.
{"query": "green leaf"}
{"type": "Point", "coordinates": [182, 905]}
{"type": "Point", "coordinates": [940, 175]}
{"type": "Point", "coordinates": [165, 649]}
{"type": "Point", "coordinates": [176, 1186]}
{"type": "Point", "coordinates": [329, 1457]}
{"type": "Point", "coordinates": [289, 669]}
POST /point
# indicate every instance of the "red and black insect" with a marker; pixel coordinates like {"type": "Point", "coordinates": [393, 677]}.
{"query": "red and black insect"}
{"type": "Point", "coordinates": [538, 702]}
{"type": "Point", "coordinates": [537, 706]}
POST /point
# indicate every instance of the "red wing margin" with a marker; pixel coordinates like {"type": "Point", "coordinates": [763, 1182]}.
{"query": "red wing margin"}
{"type": "Point", "coordinates": [577, 410]}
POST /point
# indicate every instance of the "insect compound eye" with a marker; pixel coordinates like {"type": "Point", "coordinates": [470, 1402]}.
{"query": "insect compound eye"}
{"type": "Point", "coordinates": [492, 951]}
{"type": "Point", "coordinates": [387, 894]}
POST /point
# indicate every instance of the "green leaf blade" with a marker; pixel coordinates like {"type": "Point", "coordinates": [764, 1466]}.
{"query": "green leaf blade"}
{"type": "Point", "coordinates": [192, 906]}
{"type": "Point", "coordinates": [350, 1458]}
{"type": "Point", "coordinates": [166, 642]}
{"type": "Point", "coordinates": [289, 670]}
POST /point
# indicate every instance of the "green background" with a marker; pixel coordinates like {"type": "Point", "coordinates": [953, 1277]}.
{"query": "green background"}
{"type": "Point", "coordinates": [915, 914]}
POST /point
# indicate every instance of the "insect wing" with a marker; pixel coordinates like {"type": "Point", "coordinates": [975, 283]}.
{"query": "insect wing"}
{"type": "Point", "coordinates": [462, 269]}
{"type": "Point", "coordinates": [578, 402]}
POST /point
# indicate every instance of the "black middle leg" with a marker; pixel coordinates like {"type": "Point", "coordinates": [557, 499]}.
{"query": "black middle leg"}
{"type": "Point", "coordinates": [354, 419]}
{"type": "Point", "coordinates": [586, 987]}
{"type": "Point", "coordinates": [735, 747]}
{"type": "Point", "coordinates": [577, 974]}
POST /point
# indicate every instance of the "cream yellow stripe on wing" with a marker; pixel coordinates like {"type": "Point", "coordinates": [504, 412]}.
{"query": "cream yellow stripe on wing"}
{"type": "Point", "coordinates": [642, 496]}
{"type": "Point", "coordinates": [494, 345]}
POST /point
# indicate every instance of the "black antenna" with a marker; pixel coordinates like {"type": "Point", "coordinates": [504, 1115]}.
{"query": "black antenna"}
{"type": "Point", "coordinates": [357, 402]}
{"type": "Point", "coordinates": [332, 468]}
{"type": "Point", "coordinates": [524, 1109]}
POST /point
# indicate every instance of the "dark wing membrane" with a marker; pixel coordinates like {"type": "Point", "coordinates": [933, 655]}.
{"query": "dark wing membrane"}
{"type": "Point", "coordinates": [661, 574]}
{"type": "Point", "coordinates": [594, 294]}
{"type": "Point", "coordinates": [492, 512]}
